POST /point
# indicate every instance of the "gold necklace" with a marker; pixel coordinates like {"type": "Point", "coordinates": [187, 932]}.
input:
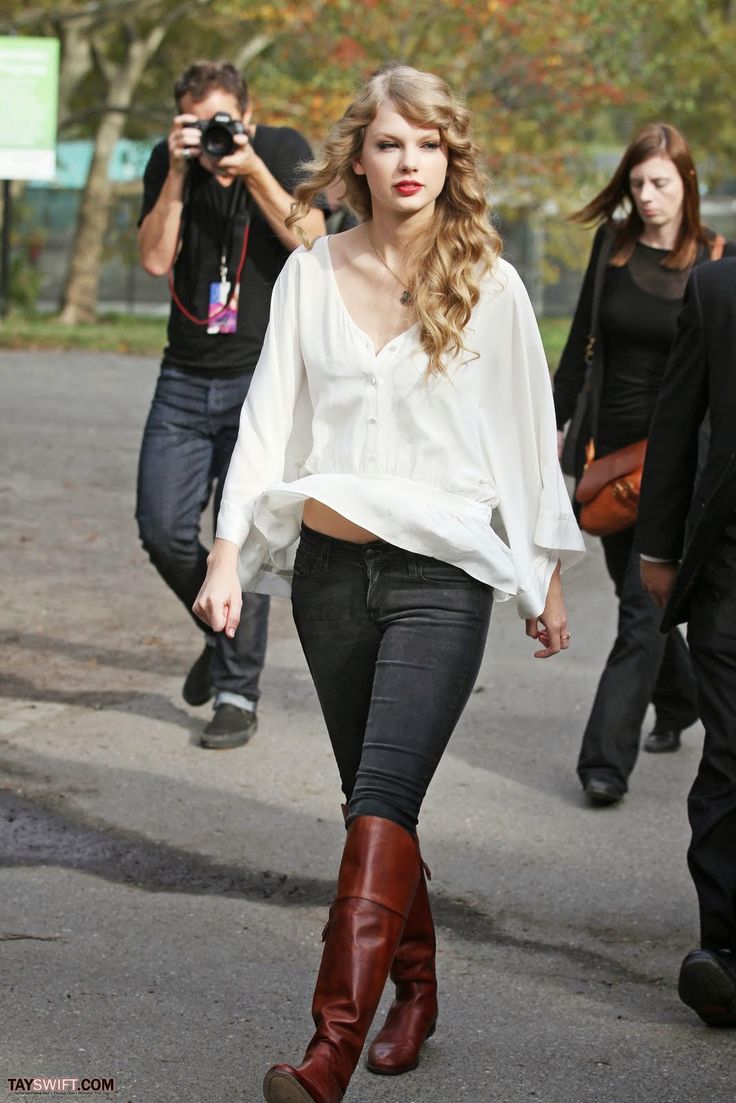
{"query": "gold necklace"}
{"type": "Point", "coordinates": [405, 299]}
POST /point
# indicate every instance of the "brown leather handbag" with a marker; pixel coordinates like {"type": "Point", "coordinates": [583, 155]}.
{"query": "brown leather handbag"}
{"type": "Point", "coordinates": [609, 489]}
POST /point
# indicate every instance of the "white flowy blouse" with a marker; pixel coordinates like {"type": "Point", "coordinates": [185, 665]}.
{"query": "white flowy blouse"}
{"type": "Point", "coordinates": [427, 464]}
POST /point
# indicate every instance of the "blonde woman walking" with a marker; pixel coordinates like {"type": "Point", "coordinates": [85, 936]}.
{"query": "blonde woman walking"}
{"type": "Point", "coordinates": [402, 398]}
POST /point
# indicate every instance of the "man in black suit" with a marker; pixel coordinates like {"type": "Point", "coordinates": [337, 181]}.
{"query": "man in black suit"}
{"type": "Point", "coordinates": [700, 380]}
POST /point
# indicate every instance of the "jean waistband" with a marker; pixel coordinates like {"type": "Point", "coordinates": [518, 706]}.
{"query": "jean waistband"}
{"type": "Point", "coordinates": [321, 539]}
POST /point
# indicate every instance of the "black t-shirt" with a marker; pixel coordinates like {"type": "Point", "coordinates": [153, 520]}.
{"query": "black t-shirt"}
{"type": "Point", "coordinates": [208, 224]}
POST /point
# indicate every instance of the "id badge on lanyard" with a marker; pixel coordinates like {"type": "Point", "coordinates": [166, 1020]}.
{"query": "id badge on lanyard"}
{"type": "Point", "coordinates": [222, 310]}
{"type": "Point", "coordinates": [223, 307]}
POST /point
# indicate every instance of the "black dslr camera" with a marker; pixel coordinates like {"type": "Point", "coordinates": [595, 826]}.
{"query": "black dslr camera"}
{"type": "Point", "coordinates": [217, 134]}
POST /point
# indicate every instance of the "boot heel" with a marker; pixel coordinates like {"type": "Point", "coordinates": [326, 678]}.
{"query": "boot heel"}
{"type": "Point", "coordinates": [280, 1087]}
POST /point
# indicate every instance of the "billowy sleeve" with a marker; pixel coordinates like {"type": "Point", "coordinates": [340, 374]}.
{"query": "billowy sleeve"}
{"type": "Point", "coordinates": [259, 456]}
{"type": "Point", "coordinates": [533, 500]}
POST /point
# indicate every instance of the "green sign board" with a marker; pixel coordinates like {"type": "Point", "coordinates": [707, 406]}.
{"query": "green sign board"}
{"type": "Point", "coordinates": [29, 93]}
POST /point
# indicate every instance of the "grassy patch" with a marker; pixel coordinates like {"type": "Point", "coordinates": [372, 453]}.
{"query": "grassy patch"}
{"type": "Point", "coordinates": [147, 336]}
{"type": "Point", "coordinates": [125, 333]}
{"type": "Point", "coordinates": [554, 334]}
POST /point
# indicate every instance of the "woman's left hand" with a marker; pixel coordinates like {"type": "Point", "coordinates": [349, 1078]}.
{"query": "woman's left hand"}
{"type": "Point", "coordinates": [553, 634]}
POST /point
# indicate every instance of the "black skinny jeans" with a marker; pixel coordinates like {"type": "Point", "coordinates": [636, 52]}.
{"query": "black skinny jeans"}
{"type": "Point", "coordinates": [394, 642]}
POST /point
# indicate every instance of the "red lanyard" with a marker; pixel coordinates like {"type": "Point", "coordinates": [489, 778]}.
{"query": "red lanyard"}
{"type": "Point", "coordinates": [213, 317]}
{"type": "Point", "coordinates": [243, 253]}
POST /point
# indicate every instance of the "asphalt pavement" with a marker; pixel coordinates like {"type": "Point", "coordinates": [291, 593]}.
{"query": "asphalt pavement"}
{"type": "Point", "coordinates": [161, 905]}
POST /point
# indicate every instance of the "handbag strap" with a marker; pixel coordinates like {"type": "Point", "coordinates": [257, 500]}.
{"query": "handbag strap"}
{"type": "Point", "coordinates": [594, 378]}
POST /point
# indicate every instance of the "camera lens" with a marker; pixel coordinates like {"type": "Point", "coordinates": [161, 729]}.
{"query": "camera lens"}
{"type": "Point", "coordinates": [217, 140]}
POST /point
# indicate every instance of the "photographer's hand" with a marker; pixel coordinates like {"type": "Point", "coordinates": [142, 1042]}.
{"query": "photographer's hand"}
{"type": "Point", "coordinates": [273, 201]}
{"type": "Point", "coordinates": [159, 232]}
{"type": "Point", "coordinates": [184, 143]}
{"type": "Point", "coordinates": [243, 162]}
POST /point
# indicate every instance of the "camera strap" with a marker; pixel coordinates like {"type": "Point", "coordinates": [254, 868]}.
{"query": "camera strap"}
{"type": "Point", "coordinates": [226, 243]}
{"type": "Point", "coordinates": [228, 232]}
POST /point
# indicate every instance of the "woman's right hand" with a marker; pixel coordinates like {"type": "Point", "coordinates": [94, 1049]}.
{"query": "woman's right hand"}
{"type": "Point", "coordinates": [560, 443]}
{"type": "Point", "coordinates": [221, 598]}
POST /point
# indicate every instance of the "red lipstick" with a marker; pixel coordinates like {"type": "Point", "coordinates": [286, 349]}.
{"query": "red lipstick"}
{"type": "Point", "coordinates": [407, 187]}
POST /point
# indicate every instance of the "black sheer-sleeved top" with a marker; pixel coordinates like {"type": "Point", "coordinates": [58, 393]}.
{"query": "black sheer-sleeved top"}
{"type": "Point", "coordinates": [639, 306]}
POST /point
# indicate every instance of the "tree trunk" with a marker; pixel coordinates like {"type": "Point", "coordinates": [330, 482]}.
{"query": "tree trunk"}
{"type": "Point", "coordinates": [76, 61]}
{"type": "Point", "coordinates": [79, 303]}
{"type": "Point", "coordinates": [79, 299]}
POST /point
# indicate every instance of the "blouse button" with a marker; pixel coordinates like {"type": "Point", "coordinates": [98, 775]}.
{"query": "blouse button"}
{"type": "Point", "coordinates": [373, 380]}
{"type": "Point", "coordinates": [371, 421]}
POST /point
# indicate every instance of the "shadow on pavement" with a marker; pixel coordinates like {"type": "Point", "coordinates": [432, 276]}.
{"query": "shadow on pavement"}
{"type": "Point", "coordinates": [34, 834]}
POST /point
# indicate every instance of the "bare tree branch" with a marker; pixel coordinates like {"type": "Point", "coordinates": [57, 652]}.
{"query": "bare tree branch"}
{"type": "Point", "coordinates": [252, 48]}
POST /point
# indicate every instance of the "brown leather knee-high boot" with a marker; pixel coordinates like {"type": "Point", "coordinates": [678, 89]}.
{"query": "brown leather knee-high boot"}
{"type": "Point", "coordinates": [413, 1014]}
{"type": "Point", "coordinates": [377, 883]}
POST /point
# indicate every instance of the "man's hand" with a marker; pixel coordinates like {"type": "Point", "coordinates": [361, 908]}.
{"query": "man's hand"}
{"type": "Point", "coordinates": [658, 580]}
{"type": "Point", "coordinates": [244, 161]}
{"type": "Point", "coordinates": [184, 142]}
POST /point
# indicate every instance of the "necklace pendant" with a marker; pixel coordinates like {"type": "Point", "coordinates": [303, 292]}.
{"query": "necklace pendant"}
{"type": "Point", "coordinates": [405, 297]}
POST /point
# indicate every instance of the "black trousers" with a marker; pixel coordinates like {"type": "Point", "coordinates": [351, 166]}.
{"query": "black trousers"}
{"type": "Point", "coordinates": [394, 642]}
{"type": "Point", "coordinates": [644, 666]}
{"type": "Point", "coordinates": [712, 799]}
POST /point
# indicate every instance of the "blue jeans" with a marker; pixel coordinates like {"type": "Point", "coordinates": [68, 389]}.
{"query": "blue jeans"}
{"type": "Point", "coordinates": [187, 443]}
{"type": "Point", "coordinates": [394, 642]}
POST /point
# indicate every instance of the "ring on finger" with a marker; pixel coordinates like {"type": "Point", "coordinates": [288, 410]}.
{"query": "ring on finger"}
{"type": "Point", "coordinates": [567, 636]}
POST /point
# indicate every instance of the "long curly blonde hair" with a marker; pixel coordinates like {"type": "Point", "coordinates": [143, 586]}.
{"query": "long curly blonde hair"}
{"type": "Point", "coordinates": [448, 261]}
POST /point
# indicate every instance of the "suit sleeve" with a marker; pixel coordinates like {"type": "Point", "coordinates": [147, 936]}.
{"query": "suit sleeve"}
{"type": "Point", "coordinates": [570, 374]}
{"type": "Point", "coordinates": [672, 452]}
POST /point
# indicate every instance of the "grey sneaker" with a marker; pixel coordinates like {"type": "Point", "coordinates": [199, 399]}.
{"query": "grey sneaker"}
{"type": "Point", "coordinates": [229, 727]}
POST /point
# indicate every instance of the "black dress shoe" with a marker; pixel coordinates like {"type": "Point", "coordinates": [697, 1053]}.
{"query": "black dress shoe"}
{"type": "Point", "coordinates": [599, 791]}
{"type": "Point", "coordinates": [708, 985]}
{"type": "Point", "coordinates": [229, 727]}
{"type": "Point", "coordinates": [197, 688]}
{"type": "Point", "coordinates": [662, 742]}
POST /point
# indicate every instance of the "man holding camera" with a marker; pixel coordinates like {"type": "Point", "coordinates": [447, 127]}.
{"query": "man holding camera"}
{"type": "Point", "coordinates": [216, 194]}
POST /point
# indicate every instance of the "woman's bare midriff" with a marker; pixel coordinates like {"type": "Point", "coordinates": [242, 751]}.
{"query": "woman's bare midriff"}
{"type": "Point", "coordinates": [322, 519]}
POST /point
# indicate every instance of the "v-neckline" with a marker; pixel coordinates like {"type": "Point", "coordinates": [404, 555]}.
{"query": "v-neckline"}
{"type": "Point", "coordinates": [348, 315]}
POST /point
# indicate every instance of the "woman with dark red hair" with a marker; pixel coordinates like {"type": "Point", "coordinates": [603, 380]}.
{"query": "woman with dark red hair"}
{"type": "Point", "coordinates": [649, 237]}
